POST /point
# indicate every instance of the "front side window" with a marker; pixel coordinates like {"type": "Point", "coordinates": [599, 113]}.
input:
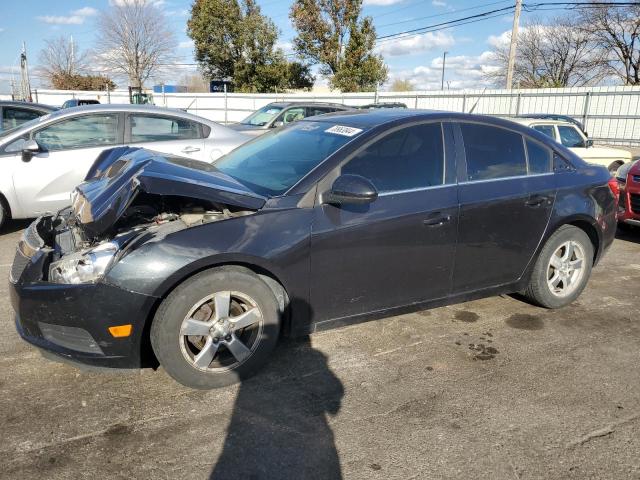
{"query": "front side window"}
{"type": "Point", "coordinates": [292, 115]}
{"type": "Point", "coordinates": [13, 117]}
{"type": "Point", "coordinates": [492, 152]}
{"type": "Point", "coordinates": [569, 137]}
{"type": "Point", "coordinates": [409, 158]}
{"type": "Point", "coordinates": [79, 132]}
{"type": "Point", "coordinates": [150, 128]}
{"type": "Point", "coordinates": [311, 111]}
{"type": "Point", "coordinates": [546, 129]}
{"type": "Point", "coordinates": [540, 158]}
{"type": "Point", "coordinates": [273, 163]}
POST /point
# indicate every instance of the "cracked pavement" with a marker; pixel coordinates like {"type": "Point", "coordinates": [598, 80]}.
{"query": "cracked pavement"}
{"type": "Point", "coordinates": [489, 389]}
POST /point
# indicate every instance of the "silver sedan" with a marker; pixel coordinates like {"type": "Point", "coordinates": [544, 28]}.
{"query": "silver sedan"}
{"type": "Point", "coordinates": [43, 160]}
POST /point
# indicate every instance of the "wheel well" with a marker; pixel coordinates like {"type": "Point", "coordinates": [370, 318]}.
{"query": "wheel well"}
{"type": "Point", "coordinates": [592, 233]}
{"type": "Point", "coordinates": [268, 277]}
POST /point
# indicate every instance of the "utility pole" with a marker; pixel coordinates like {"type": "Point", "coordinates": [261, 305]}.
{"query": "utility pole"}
{"type": "Point", "coordinates": [25, 85]}
{"type": "Point", "coordinates": [514, 44]}
{"type": "Point", "coordinates": [444, 60]}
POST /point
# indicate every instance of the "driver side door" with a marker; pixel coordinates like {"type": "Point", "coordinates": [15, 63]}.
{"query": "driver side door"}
{"type": "Point", "coordinates": [399, 249]}
{"type": "Point", "coordinates": [68, 149]}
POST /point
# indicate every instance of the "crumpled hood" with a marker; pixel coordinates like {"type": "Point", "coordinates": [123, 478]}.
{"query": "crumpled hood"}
{"type": "Point", "coordinates": [120, 173]}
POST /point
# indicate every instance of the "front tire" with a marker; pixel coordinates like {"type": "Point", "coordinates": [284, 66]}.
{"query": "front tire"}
{"type": "Point", "coordinates": [4, 212]}
{"type": "Point", "coordinates": [562, 269]}
{"type": "Point", "coordinates": [216, 328]}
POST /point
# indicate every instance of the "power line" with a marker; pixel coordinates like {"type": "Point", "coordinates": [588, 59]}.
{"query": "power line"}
{"type": "Point", "coordinates": [496, 13]}
{"type": "Point", "coordinates": [441, 14]}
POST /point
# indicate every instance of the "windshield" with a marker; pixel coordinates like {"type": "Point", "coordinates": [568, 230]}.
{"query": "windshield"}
{"type": "Point", "coordinates": [261, 117]}
{"type": "Point", "coordinates": [273, 163]}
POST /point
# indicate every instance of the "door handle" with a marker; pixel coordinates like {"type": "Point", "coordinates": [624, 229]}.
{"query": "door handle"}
{"type": "Point", "coordinates": [536, 200]}
{"type": "Point", "coordinates": [436, 220]}
{"type": "Point", "coordinates": [190, 149]}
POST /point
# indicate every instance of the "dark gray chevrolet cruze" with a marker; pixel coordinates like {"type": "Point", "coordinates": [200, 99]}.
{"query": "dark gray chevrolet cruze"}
{"type": "Point", "coordinates": [335, 219]}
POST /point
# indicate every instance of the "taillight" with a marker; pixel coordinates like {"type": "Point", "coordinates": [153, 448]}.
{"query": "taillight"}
{"type": "Point", "coordinates": [615, 188]}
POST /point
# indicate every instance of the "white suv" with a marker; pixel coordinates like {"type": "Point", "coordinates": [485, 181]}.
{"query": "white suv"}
{"type": "Point", "coordinates": [571, 137]}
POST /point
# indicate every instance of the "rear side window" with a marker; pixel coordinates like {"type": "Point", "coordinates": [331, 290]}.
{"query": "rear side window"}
{"type": "Point", "coordinates": [546, 129]}
{"type": "Point", "coordinates": [149, 128]}
{"type": "Point", "coordinates": [405, 159]}
{"type": "Point", "coordinates": [492, 152]}
{"type": "Point", "coordinates": [540, 158]}
{"type": "Point", "coordinates": [570, 137]}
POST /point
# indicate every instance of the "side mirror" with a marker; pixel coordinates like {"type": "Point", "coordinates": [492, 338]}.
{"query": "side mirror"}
{"type": "Point", "coordinates": [351, 189]}
{"type": "Point", "coordinates": [588, 143]}
{"type": "Point", "coordinates": [29, 150]}
{"type": "Point", "coordinates": [277, 124]}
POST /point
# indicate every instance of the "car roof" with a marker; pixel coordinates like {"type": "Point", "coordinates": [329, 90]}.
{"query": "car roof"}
{"type": "Point", "coordinates": [31, 105]}
{"type": "Point", "coordinates": [368, 119]}
{"type": "Point", "coordinates": [125, 107]}
{"type": "Point", "coordinates": [313, 104]}
{"type": "Point", "coordinates": [535, 121]}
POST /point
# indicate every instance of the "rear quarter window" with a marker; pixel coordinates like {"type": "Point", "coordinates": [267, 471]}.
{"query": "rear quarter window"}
{"type": "Point", "coordinates": [540, 158]}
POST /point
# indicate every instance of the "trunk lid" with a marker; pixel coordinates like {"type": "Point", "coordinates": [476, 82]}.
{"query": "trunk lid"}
{"type": "Point", "coordinates": [119, 174]}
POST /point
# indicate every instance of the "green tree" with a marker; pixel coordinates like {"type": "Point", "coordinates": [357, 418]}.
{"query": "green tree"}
{"type": "Point", "coordinates": [331, 34]}
{"type": "Point", "coordinates": [234, 40]}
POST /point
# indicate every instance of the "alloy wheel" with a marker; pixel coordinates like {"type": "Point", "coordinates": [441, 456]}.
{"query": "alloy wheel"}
{"type": "Point", "coordinates": [221, 331]}
{"type": "Point", "coordinates": [566, 269]}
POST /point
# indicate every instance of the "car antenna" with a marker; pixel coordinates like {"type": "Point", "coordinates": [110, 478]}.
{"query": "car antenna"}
{"type": "Point", "coordinates": [477, 101]}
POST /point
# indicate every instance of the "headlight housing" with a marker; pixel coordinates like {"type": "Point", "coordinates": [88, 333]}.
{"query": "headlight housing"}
{"type": "Point", "coordinates": [623, 170]}
{"type": "Point", "coordinates": [84, 266]}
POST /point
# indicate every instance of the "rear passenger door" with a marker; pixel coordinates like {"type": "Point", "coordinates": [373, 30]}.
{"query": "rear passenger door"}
{"type": "Point", "coordinates": [166, 134]}
{"type": "Point", "coordinates": [506, 190]}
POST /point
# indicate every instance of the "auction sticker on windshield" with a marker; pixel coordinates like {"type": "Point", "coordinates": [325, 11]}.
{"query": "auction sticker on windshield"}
{"type": "Point", "coordinates": [342, 130]}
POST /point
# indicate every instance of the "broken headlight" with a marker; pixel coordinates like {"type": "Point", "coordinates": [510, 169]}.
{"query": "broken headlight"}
{"type": "Point", "coordinates": [83, 267]}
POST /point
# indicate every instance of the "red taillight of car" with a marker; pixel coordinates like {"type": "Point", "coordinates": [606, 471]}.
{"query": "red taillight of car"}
{"type": "Point", "coordinates": [615, 188]}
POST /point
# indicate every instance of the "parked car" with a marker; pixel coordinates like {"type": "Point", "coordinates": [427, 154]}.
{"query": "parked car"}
{"type": "Point", "coordinates": [628, 178]}
{"type": "Point", "coordinates": [553, 116]}
{"type": "Point", "coordinates": [278, 114]}
{"type": "Point", "coordinates": [44, 159]}
{"type": "Point", "coordinates": [14, 114]}
{"type": "Point", "coordinates": [572, 137]}
{"type": "Point", "coordinates": [79, 102]}
{"type": "Point", "coordinates": [332, 220]}
{"type": "Point", "coordinates": [370, 106]}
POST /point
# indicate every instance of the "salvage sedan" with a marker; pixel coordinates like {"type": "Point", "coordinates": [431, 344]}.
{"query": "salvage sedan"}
{"type": "Point", "coordinates": [333, 220]}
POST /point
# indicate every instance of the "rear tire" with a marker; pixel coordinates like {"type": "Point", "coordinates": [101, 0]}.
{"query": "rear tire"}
{"type": "Point", "coordinates": [562, 269]}
{"type": "Point", "coordinates": [216, 328]}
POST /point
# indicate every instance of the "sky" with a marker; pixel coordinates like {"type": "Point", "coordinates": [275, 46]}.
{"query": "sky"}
{"type": "Point", "coordinates": [417, 58]}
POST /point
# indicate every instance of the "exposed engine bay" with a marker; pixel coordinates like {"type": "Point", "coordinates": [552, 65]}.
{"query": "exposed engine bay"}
{"type": "Point", "coordinates": [63, 234]}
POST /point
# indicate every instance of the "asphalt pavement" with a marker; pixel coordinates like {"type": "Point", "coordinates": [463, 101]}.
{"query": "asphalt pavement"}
{"type": "Point", "coordinates": [489, 389]}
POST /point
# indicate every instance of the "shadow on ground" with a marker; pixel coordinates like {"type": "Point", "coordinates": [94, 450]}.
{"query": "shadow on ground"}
{"type": "Point", "coordinates": [279, 425]}
{"type": "Point", "coordinates": [15, 226]}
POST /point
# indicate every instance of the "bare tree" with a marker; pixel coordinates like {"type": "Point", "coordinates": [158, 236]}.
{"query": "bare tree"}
{"type": "Point", "coordinates": [617, 31]}
{"type": "Point", "coordinates": [558, 54]}
{"type": "Point", "coordinates": [61, 57]}
{"type": "Point", "coordinates": [135, 40]}
{"type": "Point", "coordinates": [195, 83]}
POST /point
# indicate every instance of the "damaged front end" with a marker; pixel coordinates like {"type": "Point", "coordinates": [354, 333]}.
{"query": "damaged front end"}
{"type": "Point", "coordinates": [129, 196]}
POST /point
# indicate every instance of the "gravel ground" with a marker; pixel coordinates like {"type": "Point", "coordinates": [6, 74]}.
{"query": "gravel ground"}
{"type": "Point", "coordinates": [489, 389]}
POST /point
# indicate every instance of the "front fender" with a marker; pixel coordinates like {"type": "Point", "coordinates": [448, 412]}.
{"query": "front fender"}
{"type": "Point", "coordinates": [275, 241]}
